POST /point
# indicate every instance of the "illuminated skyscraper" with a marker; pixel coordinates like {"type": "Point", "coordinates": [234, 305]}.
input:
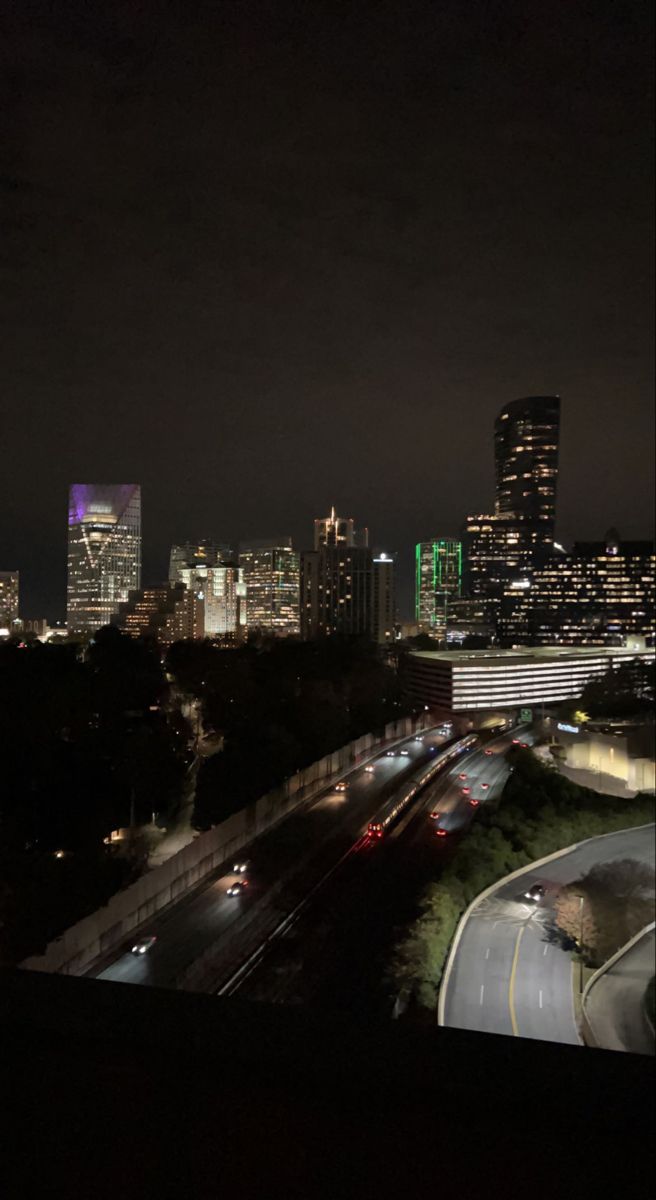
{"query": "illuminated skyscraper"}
{"type": "Point", "coordinates": [336, 592]}
{"type": "Point", "coordinates": [8, 599]}
{"type": "Point", "coordinates": [502, 549]}
{"type": "Point", "coordinates": [526, 440]}
{"type": "Point", "coordinates": [598, 594]}
{"type": "Point", "coordinates": [438, 578]}
{"type": "Point", "coordinates": [338, 531]}
{"type": "Point", "coordinates": [383, 599]}
{"type": "Point", "coordinates": [187, 555]}
{"type": "Point", "coordinates": [225, 602]}
{"type": "Point", "coordinates": [271, 577]}
{"type": "Point", "coordinates": [104, 551]}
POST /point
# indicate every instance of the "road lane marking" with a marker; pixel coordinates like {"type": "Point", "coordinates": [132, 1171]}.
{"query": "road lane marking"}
{"type": "Point", "coordinates": [545, 951]}
{"type": "Point", "coordinates": [540, 997]}
{"type": "Point", "coordinates": [487, 952]}
{"type": "Point", "coordinates": [482, 990]}
{"type": "Point", "coordinates": [511, 986]}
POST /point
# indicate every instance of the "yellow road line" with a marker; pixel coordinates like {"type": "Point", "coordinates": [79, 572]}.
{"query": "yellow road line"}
{"type": "Point", "coordinates": [511, 987]}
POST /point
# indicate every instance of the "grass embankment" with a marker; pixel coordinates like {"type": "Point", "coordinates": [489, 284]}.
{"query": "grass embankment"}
{"type": "Point", "coordinates": [538, 813]}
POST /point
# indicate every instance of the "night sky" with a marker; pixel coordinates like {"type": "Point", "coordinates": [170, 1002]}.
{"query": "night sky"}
{"type": "Point", "coordinates": [263, 258]}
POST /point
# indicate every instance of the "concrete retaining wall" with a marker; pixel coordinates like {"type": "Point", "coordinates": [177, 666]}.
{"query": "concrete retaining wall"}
{"type": "Point", "coordinates": [104, 929]}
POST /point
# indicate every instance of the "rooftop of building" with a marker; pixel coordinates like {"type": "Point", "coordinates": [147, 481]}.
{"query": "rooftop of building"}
{"type": "Point", "coordinates": [532, 654]}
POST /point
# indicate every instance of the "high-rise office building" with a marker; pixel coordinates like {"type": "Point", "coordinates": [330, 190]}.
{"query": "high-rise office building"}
{"type": "Point", "coordinates": [338, 531]}
{"type": "Point", "coordinates": [526, 441]}
{"type": "Point", "coordinates": [336, 591]}
{"type": "Point", "coordinates": [599, 594]}
{"type": "Point", "coordinates": [168, 612]}
{"type": "Point", "coordinates": [104, 551]}
{"type": "Point", "coordinates": [271, 577]}
{"type": "Point", "coordinates": [502, 549]}
{"type": "Point", "coordinates": [438, 580]}
{"type": "Point", "coordinates": [9, 582]}
{"type": "Point", "coordinates": [225, 602]}
{"type": "Point", "coordinates": [383, 599]}
{"type": "Point", "coordinates": [187, 555]}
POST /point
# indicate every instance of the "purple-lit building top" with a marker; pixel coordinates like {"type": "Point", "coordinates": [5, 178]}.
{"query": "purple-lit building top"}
{"type": "Point", "coordinates": [104, 551]}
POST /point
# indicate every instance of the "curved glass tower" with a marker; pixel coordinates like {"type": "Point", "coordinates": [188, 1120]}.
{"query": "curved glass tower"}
{"type": "Point", "coordinates": [526, 437]}
{"type": "Point", "coordinates": [104, 551]}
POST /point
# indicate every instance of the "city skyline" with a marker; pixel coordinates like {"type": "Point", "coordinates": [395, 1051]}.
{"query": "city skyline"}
{"type": "Point", "coordinates": [343, 529]}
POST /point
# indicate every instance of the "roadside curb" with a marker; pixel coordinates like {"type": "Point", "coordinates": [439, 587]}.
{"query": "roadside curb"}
{"type": "Point", "coordinates": [637, 937]}
{"type": "Point", "coordinates": [493, 887]}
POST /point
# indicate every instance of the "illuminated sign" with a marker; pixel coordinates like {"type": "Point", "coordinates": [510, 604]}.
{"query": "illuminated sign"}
{"type": "Point", "coordinates": [567, 728]}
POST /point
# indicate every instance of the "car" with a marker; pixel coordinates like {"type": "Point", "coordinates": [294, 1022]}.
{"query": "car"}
{"type": "Point", "coordinates": [523, 745]}
{"type": "Point", "coordinates": [440, 832]}
{"type": "Point", "coordinates": [489, 752]}
{"type": "Point", "coordinates": [369, 769]}
{"type": "Point", "coordinates": [435, 816]}
{"type": "Point", "coordinates": [485, 786]}
{"type": "Point", "coordinates": [419, 739]}
{"type": "Point", "coordinates": [144, 944]}
{"type": "Point", "coordinates": [342, 786]}
{"type": "Point", "coordinates": [240, 867]}
{"type": "Point", "coordinates": [515, 741]}
{"type": "Point", "coordinates": [238, 887]}
{"type": "Point", "coordinates": [390, 753]}
{"type": "Point", "coordinates": [405, 753]}
{"type": "Point", "coordinates": [466, 791]}
{"type": "Point", "coordinates": [535, 893]}
{"type": "Point", "coordinates": [474, 802]}
{"type": "Point", "coordinates": [462, 775]}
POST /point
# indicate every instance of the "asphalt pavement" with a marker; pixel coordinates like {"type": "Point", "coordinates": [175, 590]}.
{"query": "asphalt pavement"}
{"type": "Point", "coordinates": [508, 974]}
{"type": "Point", "coordinates": [299, 850]}
{"type": "Point", "coordinates": [336, 954]}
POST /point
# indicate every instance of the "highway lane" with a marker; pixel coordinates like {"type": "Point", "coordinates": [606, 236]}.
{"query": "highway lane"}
{"type": "Point", "coordinates": [298, 850]}
{"type": "Point", "coordinates": [508, 974]}
{"type": "Point", "coordinates": [614, 1004]}
{"type": "Point", "coordinates": [336, 955]}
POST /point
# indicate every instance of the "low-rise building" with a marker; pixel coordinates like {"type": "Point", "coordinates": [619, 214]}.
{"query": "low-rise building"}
{"type": "Point", "coordinates": [506, 681]}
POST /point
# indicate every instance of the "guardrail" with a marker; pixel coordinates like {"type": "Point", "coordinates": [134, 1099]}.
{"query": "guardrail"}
{"type": "Point", "coordinates": [103, 930]}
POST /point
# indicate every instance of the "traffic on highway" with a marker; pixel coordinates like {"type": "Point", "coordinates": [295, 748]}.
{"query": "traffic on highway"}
{"type": "Point", "coordinates": [332, 950]}
{"type": "Point", "coordinates": [279, 869]}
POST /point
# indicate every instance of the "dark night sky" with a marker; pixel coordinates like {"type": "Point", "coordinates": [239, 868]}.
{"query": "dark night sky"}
{"type": "Point", "coordinates": [262, 258]}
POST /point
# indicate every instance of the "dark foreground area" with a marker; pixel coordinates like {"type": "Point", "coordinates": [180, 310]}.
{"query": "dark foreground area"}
{"type": "Point", "coordinates": [113, 1090]}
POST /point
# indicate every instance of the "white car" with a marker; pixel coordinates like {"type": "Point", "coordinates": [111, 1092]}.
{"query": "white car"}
{"type": "Point", "coordinates": [143, 945]}
{"type": "Point", "coordinates": [405, 753]}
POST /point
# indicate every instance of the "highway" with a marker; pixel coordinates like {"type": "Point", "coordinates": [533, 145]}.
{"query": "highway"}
{"type": "Point", "coordinates": [336, 954]}
{"type": "Point", "coordinates": [283, 866]}
{"type": "Point", "coordinates": [508, 973]}
{"type": "Point", "coordinates": [614, 1004]}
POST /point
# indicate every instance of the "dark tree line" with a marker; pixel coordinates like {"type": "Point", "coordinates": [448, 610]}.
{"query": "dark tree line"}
{"type": "Point", "coordinates": [280, 705]}
{"type": "Point", "coordinates": [88, 745]}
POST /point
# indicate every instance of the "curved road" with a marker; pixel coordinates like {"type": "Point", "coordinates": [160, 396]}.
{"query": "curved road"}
{"type": "Point", "coordinates": [506, 974]}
